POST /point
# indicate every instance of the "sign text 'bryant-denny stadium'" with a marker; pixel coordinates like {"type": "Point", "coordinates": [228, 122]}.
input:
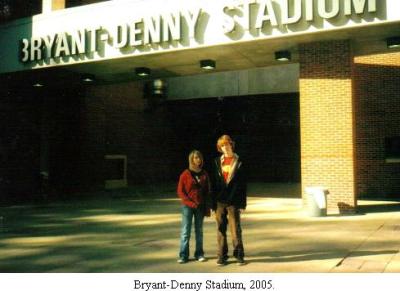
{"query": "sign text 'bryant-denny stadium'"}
{"type": "Point", "coordinates": [167, 28]}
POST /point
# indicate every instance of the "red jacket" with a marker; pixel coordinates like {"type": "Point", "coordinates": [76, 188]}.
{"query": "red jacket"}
{"type": "Point", "coordinates": [191, 192]}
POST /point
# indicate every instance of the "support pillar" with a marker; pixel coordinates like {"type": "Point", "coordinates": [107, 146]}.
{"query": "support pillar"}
{"type": "Point", "coordinates": [327, 122]}
{"type": "Point", "coordinates": [51, 5]}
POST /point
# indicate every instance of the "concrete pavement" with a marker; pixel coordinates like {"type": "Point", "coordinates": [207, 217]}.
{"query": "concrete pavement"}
{"type": "Point", "coordinates": [139, 232]}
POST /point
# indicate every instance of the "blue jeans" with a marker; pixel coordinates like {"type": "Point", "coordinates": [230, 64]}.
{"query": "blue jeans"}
{"type": "Point", "coordinates": [187, 217]}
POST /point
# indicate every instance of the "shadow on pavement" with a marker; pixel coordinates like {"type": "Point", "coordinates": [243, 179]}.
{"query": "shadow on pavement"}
{"type": "Point", "coordinates": [379, 207]}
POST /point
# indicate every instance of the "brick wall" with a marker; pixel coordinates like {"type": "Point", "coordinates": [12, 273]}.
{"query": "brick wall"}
{"type": "Point", "coordinates": [40, 131]}
{"type": "Point", "coordinates": [112, 119]}
{"type": "Point", "coordinates": [377, 87]}
{"type": "Point", "coordinates": [61, 127]}
{"type": "Point", "coordinates": [326, 120]}
{"type": "Point", "coordinates": [116, 122]}
{"type": "Point", "coordinates": [19, 143]}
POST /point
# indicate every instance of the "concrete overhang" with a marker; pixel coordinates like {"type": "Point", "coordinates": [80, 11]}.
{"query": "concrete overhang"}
{"type": "Point", "coordinates": [237, 56]}
{"type": "Point", "coordinates": [252, 50]}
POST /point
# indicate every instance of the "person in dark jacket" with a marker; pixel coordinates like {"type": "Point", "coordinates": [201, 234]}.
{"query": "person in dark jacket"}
{"type": "Point", "coordinates": [229, 198]}
{"type": "Point", "coordinates": [193, 190]}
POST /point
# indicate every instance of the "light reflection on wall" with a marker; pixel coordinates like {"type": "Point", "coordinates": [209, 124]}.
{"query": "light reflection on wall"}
{"type": "Point", "coordinates": [391, 59]}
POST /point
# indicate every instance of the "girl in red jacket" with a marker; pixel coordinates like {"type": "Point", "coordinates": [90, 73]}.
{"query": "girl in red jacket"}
{"type": "Point", "coordinates": [193, 190]}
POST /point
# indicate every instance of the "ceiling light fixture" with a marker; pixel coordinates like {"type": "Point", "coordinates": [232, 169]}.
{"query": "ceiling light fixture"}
{"type": "Point", "coordinates": [393, 42]}
{"type": "Point", "coordinates": [37, 85]}
{"type": "Point", "coordinates": [282, 56]}
{"type": "Point", "coordinates": [142, 71]}
{"type": "Point", "coordinates": [207, 64]}
{"type": "Point", "coordinates": [87, 78]}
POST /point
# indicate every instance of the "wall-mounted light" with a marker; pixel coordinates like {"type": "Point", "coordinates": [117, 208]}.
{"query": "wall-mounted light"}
{"type": "Point", "coordinates": [88, 78]}
{"type": "Point", "coordinates": [142, 71]}
{"type": "Point", "coordinates": [393, 42]}
{"type": "Point", "coordinates": [282, 56]}
{"type": "Point", "coordinates": [158, 87]}
{"type": "Point", "coordinates": [207, 64]}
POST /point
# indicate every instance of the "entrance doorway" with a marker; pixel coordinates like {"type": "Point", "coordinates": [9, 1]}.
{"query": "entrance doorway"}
{"type": "Point", "coordinates": [266, 129]}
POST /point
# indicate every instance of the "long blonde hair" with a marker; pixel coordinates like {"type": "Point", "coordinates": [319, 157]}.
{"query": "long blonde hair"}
{"type": "Point", "coordinates": [192, 166]}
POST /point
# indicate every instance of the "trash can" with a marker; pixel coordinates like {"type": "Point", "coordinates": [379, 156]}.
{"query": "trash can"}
{"type": "Point", "coordinates": [317, 201]}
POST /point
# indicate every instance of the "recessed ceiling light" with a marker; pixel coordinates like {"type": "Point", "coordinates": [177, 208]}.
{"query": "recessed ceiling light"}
{"type": "Point", "coordinates": [87, 78]}
{"type": "Point", "coordinates": [207, 64]}
{"type": "Point", "coordinates": [393, 42]}
{"type": "Point", "coordinates": [282, 56]}
{"type": "Point", "coordinates": [142, 71]}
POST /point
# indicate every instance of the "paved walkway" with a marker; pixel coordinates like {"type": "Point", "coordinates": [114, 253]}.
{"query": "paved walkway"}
{"type": "Point", "coordinates": [137, 233]}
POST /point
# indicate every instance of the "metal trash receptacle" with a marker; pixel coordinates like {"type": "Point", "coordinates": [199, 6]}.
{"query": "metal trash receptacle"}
{"type": "Point", "coordinates": [317, 201]}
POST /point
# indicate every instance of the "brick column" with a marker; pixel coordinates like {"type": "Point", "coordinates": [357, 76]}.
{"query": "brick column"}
{"type": "Point", "coordinates": [327, 123]}
{"type": "Point", "coordinates": [58, 4]}
{"type": "Point", "coordinates": [50, 5]}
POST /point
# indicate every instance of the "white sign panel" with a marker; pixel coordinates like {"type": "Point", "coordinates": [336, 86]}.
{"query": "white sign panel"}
{"type": "Point", "coordinates": [115, 29]}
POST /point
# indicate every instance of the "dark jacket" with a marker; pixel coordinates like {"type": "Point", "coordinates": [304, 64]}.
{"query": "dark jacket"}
{"type": "Point", "coordinates": [233, 193]}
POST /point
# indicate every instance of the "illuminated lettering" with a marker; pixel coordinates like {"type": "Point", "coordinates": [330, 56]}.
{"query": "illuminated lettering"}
{"type": "Point", "coordinates": [152, 30]}
{"type": "Point", "coordinates": [36, 49]}
{"type": "Point", "coordinates": [237, 16]}
{"type": "Point", "coordinates": [246, 13]}
{"type": "Point", "coordinates": [286, 19]}
{"type": "Point", "coordinates": [322, 9]}
{"type": "Point", "coordinates": [121, 36]}
{"type": "Point", "coordinates": [228, 22]}
{"type": "Point", "coordinates": [48, 45]}
{"type": "Point", "coordinates": [191, 20]}
{"type": "Point", "coordinates": [359, 6]}
{"type": "Point", "coordinates": [78, 42]}
{"type": "Point", "coordinates": [265, 13]}
{"type": "Point", "coordinates": [135, 32]}
{"type": "Point", "coordinates": [62, 46]}
{"type": "Point", "coordinates": [309, 10]}
{"type": "Point", "coordinates": [24, 50]}
{"type": "Point", "coordinates": [93, 38]}
{"type": "Point", "coordinates": [172, 25]}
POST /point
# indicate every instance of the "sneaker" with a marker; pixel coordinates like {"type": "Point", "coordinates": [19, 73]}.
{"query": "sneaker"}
{"type": "Point", "coordinates": [221, 262]}
{"type": "Point", "coordinates": [182, 261]}
{"type": "Point", "coordinates": [201, 259]}
{"type": "Point", "coordinates": [240, 261]}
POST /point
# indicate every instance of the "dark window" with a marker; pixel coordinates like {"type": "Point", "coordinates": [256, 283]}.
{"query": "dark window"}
{"type": "Point", "coordinates": [74, 3]}
{"type": "Point", "coordinates": [14, 9]}
{"type": "Point", "coordinates": [114, 169]}
{"type": "Point", "coordinates": [392, 147]}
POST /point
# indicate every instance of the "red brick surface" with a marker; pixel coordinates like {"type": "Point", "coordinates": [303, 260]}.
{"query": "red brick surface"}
{"type": "Point", "coordinates": [348, 106]}
{"type": "Point", "coordinates": [377, 99]}
{"type": "Point", "coordinates": [326, 120]}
